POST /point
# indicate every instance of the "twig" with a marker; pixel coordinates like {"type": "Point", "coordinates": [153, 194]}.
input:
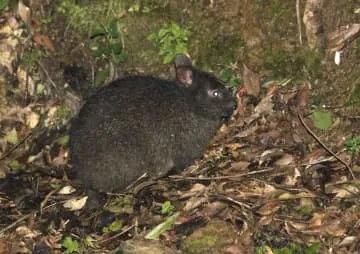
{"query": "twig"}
{"type": "Point", "coordinates": [16, 222]}
{"type": "Point", "coordinates": [117, 235]}
{"type": "Point", "coordinates": [221, 177]}
{"type": "Point", "coordinates": [15, 147]}
{"type": "Point", "coordinates": [322, 144]}
{"type": "Point", "coordinates": [231, 200]}
{"type": "Point", "coordinates": [47, 74]}
{"type": "Point", "coordinates": [46, 199]}
{"type": "Point", "coordinates": [299, 20]}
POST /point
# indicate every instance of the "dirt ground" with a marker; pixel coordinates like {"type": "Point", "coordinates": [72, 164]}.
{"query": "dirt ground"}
{"type": "Point", "coordinates": [279, 177]}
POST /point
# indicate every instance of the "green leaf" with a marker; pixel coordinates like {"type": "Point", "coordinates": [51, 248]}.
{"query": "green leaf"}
{"type": "Point", "coordinates": [97, 33]}
{"type": "Point", "coordinates": [117, 48]}
{"type": "Point", "coordinates": [353, 144]}
{"type": "Point", "coordinates": [64, 140]}
{"type": "Point", "coordinates": [11, 137]}
{"type": "Point", "coordinates": [40, 89]}
{"type": "Point", "coordinates": [152, 37]}
{"type": "Point", "coordinates": [114, 30]}
{"type": "Point", "coordinates": [122, 57]}
{"type": "Point", "coordinates": [168, 58]}
{"type": "Point", "coordinates": [3, 4]}
{"type": "Point", "coordinates": [313, 249]}
{"type": "Point", "coordinates": [134, 8]}
{"type": "Point", "coordinates": [101, 76]}
{"type": "Point", "coordinates": [167, 208]}
{"type": "Point", "coordinates": [226, 74]}
{"type": "Point", "coordinates": [162, 227]}
{"type": "Point", "coordinates": [114, 226]}
{"type": "Point", "coordinates": [16, 165]}
{"type": "Point", "coordinates": [322, 120]}
{"type": "Point", "coordinates": [70, 245]}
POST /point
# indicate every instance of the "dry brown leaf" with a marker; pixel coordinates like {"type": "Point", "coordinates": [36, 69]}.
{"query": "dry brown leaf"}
{"type": "Point", "coordinates": [44, 41]}
{"type": "Point", "coordinates": [24, 231]}
{"type": "Point", "coordinates": [66, 190]}
{"type": "Point", "coordinates": [214, 208]}
{"type": "Point", "coordinates": [32, 119]}
{"type": "Point", "coordinates": [293, 179]}
{"type": "Point", "coordinates": [265, 106]}
{"type": "Point", "coordinates": [26, 82]}
{"type": "Point", "coordinates": [251, 82]}
{"type": "Point", "coordinates": [269, 208]}
{"type": "Point", "coordinates": [285, 160]}
{"type": "Point", "coordinates": [61, 159]}
{"type": "Point", "coordinates": [6, 246]}
{"type": "Point", "coordinates": [75, 204]}
{"type": "Point", "coordinates": [196, 190]}
{"type": "Point", "coordinates": [265, 220]}
{"type": "Point", "coordinates": [268, 154]}
{"type": "Point", "coordinates": [288, 196]}
{"type": "Point", "coordinates": [24, 13]}
{"type": "Point", "coordinates": [194, 203]}
{"type": "Point", "coordinates": [240, 165]}
{"type": "Point", "coordinates": [338, 39]}
{"type": "Point", "coordinates": [320, 224]}
{"type": "Point", "coordinates": [302, 98]}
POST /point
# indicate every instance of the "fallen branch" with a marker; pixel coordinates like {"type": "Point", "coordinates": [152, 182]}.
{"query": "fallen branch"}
{"type": "Point", "coordinates": [322, 144]}
{"type": "Point", "coordinates": [220, 177]}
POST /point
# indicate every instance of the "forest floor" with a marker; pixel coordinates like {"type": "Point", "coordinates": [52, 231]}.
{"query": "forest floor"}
{"type": "Point", "coordinates": [280, 177]}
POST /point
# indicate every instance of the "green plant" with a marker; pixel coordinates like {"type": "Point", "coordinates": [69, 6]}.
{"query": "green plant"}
{"type": "Point", "coordinates": [62, 113]}
{"type": "Point", "coordinates": [290, 249]}
{"type": "Point", "coordinates": [114, 226]}
{"type": "Point", "coordinates": [172, 40]}
{"type": "Point", "coordinates": [88, 17]}
{"type": "Point", "coordinates": [322, 120]}
{"type": "Point", "coordinates": [107, 42]}
{"type": "Point", "coordinates": [353, 144]}
{"type": "Point", "coordinates": [70, 245]}
{"type": "Point", "coordinates": [3, 4]}
{"type": "Point", "coordinates": [167, 208]}
{"type": "Point", "coordinates": [30, 59]}
{"type": "Point", "coordinates": [355, 96]}
{"type": "Point", "coordinates": [229, 75]}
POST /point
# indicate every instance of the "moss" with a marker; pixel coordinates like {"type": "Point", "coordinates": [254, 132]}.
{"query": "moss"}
{"type": "Point", "coordinates": [211, 238]}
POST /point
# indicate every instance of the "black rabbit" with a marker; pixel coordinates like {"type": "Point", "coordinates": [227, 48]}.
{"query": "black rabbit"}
{"type": "Point", "coordinates": [145, 124]}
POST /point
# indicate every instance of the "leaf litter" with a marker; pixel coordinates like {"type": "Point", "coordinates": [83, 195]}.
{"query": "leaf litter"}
{"type": "Point", "coordinates": [258, 184]}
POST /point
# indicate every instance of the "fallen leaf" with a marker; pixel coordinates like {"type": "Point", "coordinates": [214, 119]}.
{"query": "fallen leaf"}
{"type": "Point", "coordinates": [26, 232]}
{"type": "Point", "coordinates": [269, 208]}
{"type": "Point", "coordinates": [32, 120]}
{"type": "Point", "coordinates": [302, 97]}
{"type": "Point", "coordinates": [24, 13]}
{"type": "Point", "coordinates": [269, 154]}
{"type": "Point", "coordinates": [285, 160]}
{"type": "Point", "coordinates": [44, 41]}
{"type": "Point", "coordinates": [11, 137]}
{"type": "Point", "coordinates": [251, 82]}
{"type": "Point", "coordinates": [75, 204]}
{"type": "Point", "coordinates": [163, 227]}
{"type": "Point", "coordinates": [66, 190]}
{"type": "Point", "coordinates": [194, 203]}
{"type": "Point", "coordinates": [196, 190]}
{"type": "Point", "coordinates": [61, 158]}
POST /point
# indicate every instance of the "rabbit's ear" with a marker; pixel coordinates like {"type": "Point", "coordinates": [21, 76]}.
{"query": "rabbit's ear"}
{"type": "Point", "coordinates": [184, 70]}
{"type": "Point", "coordinates": [185, 75]}
{"type": "Point", "coordinates": [182, 61]}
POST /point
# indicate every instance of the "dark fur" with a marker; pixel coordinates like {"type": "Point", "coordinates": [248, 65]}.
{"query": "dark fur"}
{"type": "Point", "coordinates": [145, 124]}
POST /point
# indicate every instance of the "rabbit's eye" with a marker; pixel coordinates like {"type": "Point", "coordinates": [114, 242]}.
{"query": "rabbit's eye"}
{"type": "Point", "coordinates": [215, 93]}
